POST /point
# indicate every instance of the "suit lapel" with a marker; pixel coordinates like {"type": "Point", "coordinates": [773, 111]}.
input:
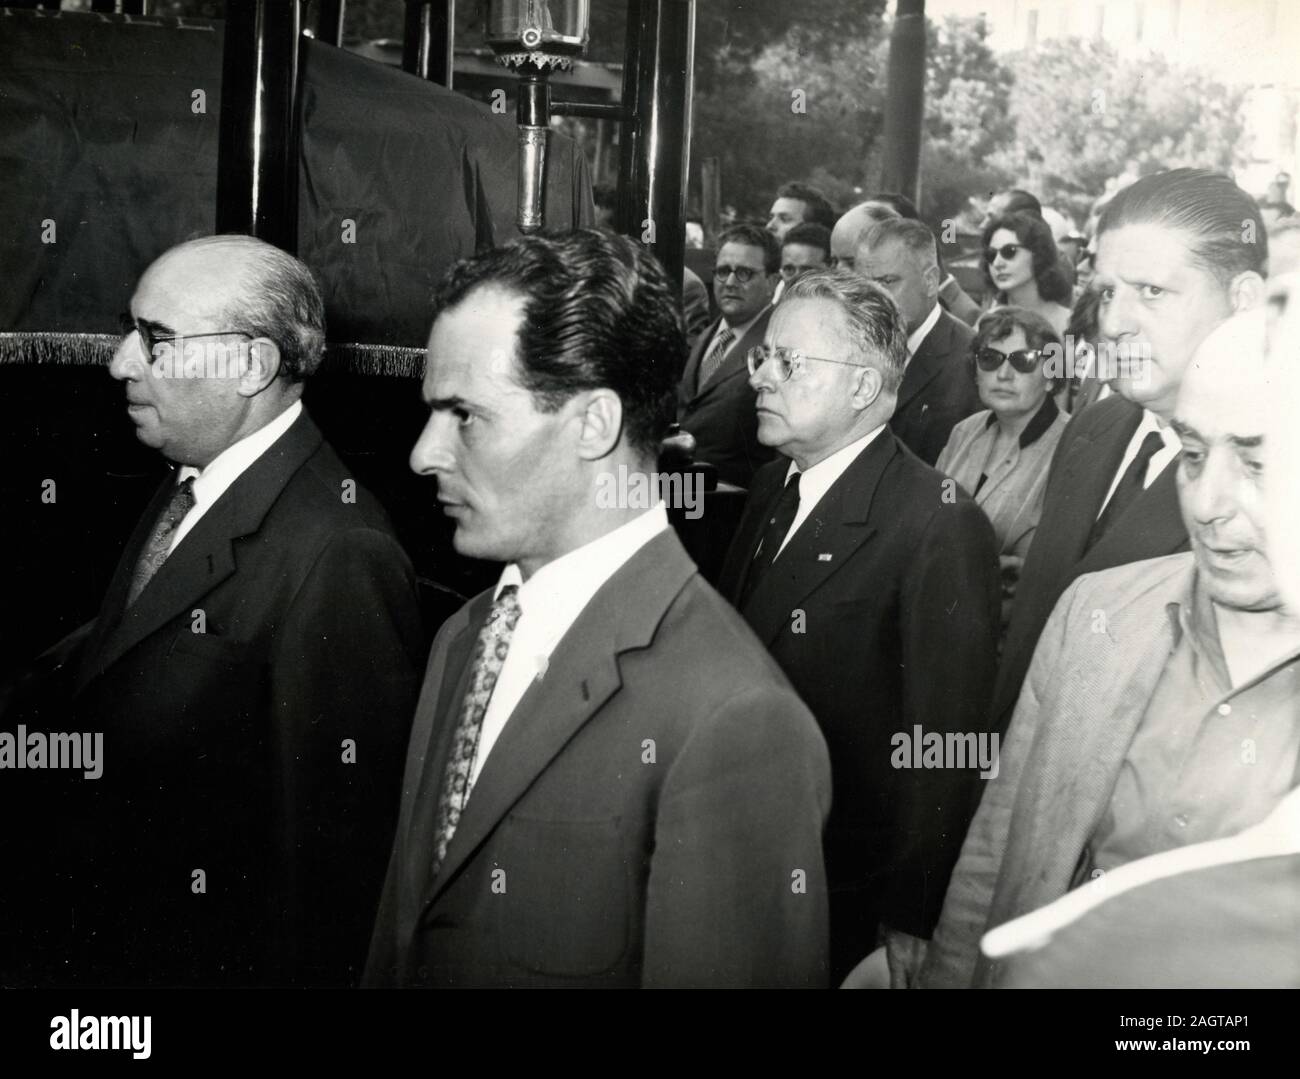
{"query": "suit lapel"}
{"type": "Point", "coordinates": [581, 676]}
{"type": "Point", "coordinates": [1152, 525]}
{"type": "Point", "coordinates": [690, 377]}
{"type": "Point", "coordinates": [839, 524]}
{"type": "Point", "coordinates": [1087, 470]}
{"type": "Point", "coordinates": [205, 557]}
{"type": "Point", "coordinates": [926, 365]}
{"type": "Point", "coordinates": [734, 366]}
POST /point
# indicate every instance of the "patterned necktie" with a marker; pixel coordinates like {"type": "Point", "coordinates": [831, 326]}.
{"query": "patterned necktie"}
{"type": "Point", "coordinates": [489, 655]}
{"type": "Point", "coordinates": [784, 511]}
{"type": "Point", "coordinates": [155, 551]}
{"type": "Point", "coordinates": [713, 360]}
{"type": "Point", "coordinates": [1130, 485]}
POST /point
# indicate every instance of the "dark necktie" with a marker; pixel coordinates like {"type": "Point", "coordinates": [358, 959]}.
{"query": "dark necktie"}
{"type": "Point", "coordinates": [489, 655]}
{"type": "Point", "coordinates": [1130, 485]}
{"type": "Point", "coordinates": [779, 521]}
{"type": "Point", "coordinates": [155, 551]}
{"type": "Point", "coordinates": [713, 359]}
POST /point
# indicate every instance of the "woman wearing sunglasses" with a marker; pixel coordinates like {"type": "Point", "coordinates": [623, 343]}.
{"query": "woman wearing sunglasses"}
{"type": "Point", "coordinates": [1023, 266]}
{"type": "Point", "coordinates": [1001, 455]}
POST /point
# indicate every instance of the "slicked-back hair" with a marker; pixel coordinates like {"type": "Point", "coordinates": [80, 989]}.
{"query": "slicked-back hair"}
{"type": "Point", "coordinates": [916, 236]}
{"type": "Point", "coordinates": [816, 207]}
{"type": "Point", "coordinates": [280, 300]}
{"type": "Point", "coordinates": [1226, 234]}
{"type": "Point", "coordinates": [752, 234]}
{"type": "Point", "coordinates": [875, 323]}
{"type": "Point", "coordinates": [599, 312]}
{"type": "Point", "coordinates": [1036, 234]}
{"type": "Point", "coordinates": [810, 235]}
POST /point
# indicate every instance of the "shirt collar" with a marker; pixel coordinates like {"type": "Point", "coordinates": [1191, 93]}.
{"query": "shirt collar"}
{"type": "Point", "coordinates": [818, 479]}
{"type": "Point", "coordinates": [1151, 422]}
{"type": "Point", "coordinates": [1036, 427]}
{"type": "Point", "coordinates": [918, 335]}
{"type": "Point", "coordinates": [219, 473]}
{"type": "Point", "coordinates": [1192, 616]}
{"type": "Point", "coordinates": [563, 587]}
{"type": "Point", "coordinates": [743, 328]}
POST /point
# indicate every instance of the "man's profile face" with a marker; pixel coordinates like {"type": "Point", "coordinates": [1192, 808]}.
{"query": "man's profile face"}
{"type": "Point", "coordinates": [798, 259]}
{"type": "Point", "coordinates": [1154, 300]}
{"type": "Point", "coordinates": [499, 461]}
{"type": "Point", "coordinates": [807, 416]}
{"type": "Point", "coordinates": [892, 266]}
{"type": "Point", "coordinates": [784, 215]}
{"type": "Point", "coordinates": [189, 417]}
{"type": "Point", "coordinates": [1222, 474]}
{"type": "Point", "coordinates": [740, 301]}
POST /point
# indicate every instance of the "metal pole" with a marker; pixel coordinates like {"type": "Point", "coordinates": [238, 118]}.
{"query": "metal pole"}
{"type": "Point", "coordinates": [329, 22]}
{"type": "Point", "coordinates": [257, 161]}
{"type": "Point", "coordinates": [711, 198]}
{"type": "Point", "coordinates": [427, 40]}
{"type": "Point", "coordinates": [905, 102]}
{"type": "Point", "coordinates": [656, 139]}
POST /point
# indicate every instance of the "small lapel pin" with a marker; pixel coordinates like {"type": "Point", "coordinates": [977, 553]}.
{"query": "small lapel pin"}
{"type": "Point", "coordinates": [826, 556]}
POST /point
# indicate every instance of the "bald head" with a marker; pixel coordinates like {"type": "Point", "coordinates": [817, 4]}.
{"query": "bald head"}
{"type": "Point", "coordinates": [849, 228]}
{"type": "Point", "coordinates": [1220, 417]}
{"type": "Point", "coordinates": [251, 286]}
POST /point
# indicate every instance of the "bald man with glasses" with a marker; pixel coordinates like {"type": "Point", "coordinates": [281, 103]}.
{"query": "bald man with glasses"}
{"type": "Point", "coordinates": [873, 581]}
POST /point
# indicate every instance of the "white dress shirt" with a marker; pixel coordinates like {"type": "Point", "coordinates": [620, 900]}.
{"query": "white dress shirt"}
{"type": "Point", "coordinates": [211, 482]}
{"type": "Point", "coordinates": [550, 601]}
{"type": "Point", "coordinates": [816, 481]}
{"type": "Point", "coordinates": [918, 335]}
{"type": "Point", "coordinates": [1172, 445]}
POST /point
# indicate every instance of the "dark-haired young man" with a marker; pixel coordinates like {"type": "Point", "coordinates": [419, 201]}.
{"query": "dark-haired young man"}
{"type": "Point", "coordinates": [796, 204]}
{"type": "Point", "coordinates": [609, 782]}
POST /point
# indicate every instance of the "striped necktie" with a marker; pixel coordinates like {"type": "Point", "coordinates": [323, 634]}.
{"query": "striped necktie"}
{"type": "Point", "coordinates": [717, 352]}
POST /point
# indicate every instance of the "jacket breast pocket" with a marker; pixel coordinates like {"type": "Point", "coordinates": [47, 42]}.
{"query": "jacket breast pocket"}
{"type": "Point", "coordinates": [564, 899]}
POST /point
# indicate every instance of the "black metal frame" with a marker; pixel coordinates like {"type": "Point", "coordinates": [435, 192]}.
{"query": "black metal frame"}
{"type": "Point", "coordinates": [257, 183]}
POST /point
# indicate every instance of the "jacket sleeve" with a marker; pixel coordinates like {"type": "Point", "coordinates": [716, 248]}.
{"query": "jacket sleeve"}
{"type": "Point", "coordinates": [949, 625]}
{"type": "Point", "coordinates": [343, 683]}
{"type": "Point", "coordinates": [737, 889]}
{"type": "Point", "coordinates": [951, 960]}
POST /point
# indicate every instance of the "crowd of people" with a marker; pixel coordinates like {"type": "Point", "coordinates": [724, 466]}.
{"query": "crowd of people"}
{"type": "Point", "coordinates": [996, 655]}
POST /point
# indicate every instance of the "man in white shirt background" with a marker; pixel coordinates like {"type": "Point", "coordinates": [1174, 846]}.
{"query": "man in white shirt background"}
{"type": "Point", "coordinates": [609, 783]}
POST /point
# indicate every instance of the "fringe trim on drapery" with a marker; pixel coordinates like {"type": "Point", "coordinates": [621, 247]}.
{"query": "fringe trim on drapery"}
{"type": "Point", "coordinates": [91, 349]}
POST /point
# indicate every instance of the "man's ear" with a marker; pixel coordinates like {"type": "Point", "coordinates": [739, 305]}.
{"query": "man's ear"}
{"type": "Point", "coordinates": [933, 278]}
{"type": "Point", "coordinates": [261, 365]}
{"type": "Point", "coordinates": [601, 422]}
{"type": "Point", "coordinates": [1246, 291]}
{"type": "Point", "coordinates": [866, 389]}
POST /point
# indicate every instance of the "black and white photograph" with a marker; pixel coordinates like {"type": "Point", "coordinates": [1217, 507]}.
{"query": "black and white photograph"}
{"type": "Point", "coordinates": [667, 494]}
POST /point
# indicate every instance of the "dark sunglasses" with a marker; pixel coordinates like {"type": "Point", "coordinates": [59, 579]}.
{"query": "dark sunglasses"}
{"type": "Point", "coordinates": [1007, 251]}
{"type": "Point", "coordinates": [744, 274]}
{"type": "Point", "coordinates": [1024, 360]}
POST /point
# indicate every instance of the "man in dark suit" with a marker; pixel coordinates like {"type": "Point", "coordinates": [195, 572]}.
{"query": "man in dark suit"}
{"type": "Point", "coordinates": [1174, 260]}
{"type": "Point", "coordinates": [874, 582]}
{"type": "Point", "coordinates": [609, 783]}
{"type": "Point", "coordinates": [938, 387]}
{"type": "Point", "coordinates": [251, 672]}
{"type": "Point", "coordinates": [715, 402]}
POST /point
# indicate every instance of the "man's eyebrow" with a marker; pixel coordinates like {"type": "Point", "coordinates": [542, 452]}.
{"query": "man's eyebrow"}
{"type": "Point", "coordinates": [1185, 431]}
{"type": "Point", "coordinates": [1247, 442]}
{"type": "Point", "coordinates": [158, 329]}
{"type": "Point", "coordinates": [444, 404]}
